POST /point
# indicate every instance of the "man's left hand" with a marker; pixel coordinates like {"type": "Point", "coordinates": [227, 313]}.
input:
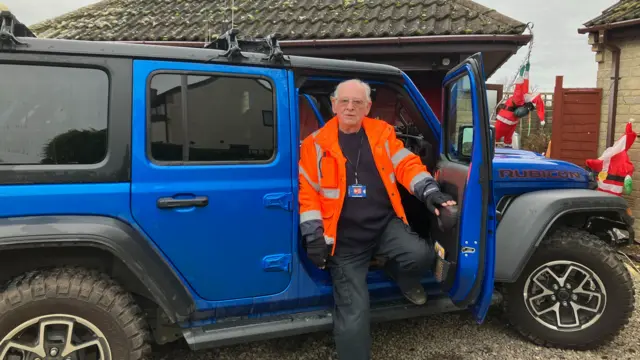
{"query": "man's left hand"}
{"type": "Point", "coordinates": [438, 198]}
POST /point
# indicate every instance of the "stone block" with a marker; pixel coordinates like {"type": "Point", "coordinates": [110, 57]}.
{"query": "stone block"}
{"type": "Point", "coordinates": [603, 129]}
{"type": "Point", "coordinates": [599, 57]}
{"type": "Point", "coordinates": [629, 83]}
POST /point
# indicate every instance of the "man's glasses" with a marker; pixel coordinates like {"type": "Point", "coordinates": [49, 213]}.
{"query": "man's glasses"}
{"type": "Point", "coordinates": [356, 102]}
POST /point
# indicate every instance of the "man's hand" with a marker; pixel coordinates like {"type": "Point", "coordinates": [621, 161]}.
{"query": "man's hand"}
{"type": "Point", "coordinates": [317, 251]}
{"type": "Point", "coordinates": [438, 198]}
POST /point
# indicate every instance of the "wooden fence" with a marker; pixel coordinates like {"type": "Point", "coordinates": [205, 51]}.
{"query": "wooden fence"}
{"type": "Point", "coordinates": [576, 125]}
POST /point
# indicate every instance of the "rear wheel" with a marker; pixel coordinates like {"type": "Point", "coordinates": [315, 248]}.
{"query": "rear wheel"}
{"type": "Point", "coordinates": [574, 293]}
{"type": "Point", "coordinates": [70, 314]}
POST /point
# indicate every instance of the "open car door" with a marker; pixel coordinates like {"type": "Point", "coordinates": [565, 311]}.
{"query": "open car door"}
{"type": "Point", "coordinates": [464, 171]}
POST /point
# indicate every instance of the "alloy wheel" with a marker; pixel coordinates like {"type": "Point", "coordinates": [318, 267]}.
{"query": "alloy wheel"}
{"type": "Point", "coordinates": [55, 337]}
{"type": "Point", "coordinates": [565, 296]}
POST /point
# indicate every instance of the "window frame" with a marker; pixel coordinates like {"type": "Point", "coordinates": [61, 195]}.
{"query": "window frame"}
{"type": "Point", "coordinates": [115, 166]}
{"type": "Point", "coordinates": [185, 118]}
{"type": "Point", "coordinates": [447, 122]}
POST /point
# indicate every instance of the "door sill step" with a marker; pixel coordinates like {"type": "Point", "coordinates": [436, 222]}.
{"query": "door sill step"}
{"type": "Point", "coordinates": [296, 324]}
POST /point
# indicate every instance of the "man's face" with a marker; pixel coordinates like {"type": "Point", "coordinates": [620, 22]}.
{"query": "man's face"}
{"type": "Point", "coordinates": [351, 104]}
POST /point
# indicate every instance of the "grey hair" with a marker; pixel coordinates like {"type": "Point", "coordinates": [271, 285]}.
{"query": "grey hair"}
{"type": "Point", "coordinates": [367, 88]}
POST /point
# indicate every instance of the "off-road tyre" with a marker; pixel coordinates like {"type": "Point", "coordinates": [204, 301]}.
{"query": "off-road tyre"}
{"type": "Point", "coordinates": [571, 244]}
{"type": "Point", "coordinates": [81, 293]}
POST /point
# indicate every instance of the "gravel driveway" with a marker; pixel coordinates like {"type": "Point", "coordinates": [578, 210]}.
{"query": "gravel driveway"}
{"type": "Point", "coordinates": [453, 336]}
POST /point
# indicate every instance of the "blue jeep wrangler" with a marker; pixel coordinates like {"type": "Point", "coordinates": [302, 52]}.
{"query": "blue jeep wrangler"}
{"type": "Point", "coordinates": [150, 195]}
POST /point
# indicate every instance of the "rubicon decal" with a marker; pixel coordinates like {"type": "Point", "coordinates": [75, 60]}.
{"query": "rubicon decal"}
{"type": "Point", "coordinates": [539, 174]}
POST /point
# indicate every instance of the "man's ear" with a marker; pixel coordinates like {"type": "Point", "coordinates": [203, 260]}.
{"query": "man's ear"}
{"type": "Point", "coordinates": [333, 104]}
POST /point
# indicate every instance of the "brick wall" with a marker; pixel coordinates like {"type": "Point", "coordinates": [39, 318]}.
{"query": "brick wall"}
{"type": "Point", "coordinates": [628, 106]}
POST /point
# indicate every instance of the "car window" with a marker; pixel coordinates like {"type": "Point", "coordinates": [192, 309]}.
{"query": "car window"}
{"type": "Point", "coordinates": [195, 118]}
{"type": "Point", "coordinates": [53, 115]}
{"type": "Point", "coordinates": [459, 115]}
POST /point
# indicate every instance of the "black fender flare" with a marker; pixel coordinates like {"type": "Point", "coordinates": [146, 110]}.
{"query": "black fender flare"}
{"type": "Point", "coordinates": [529, 217]}
{"type": "Point", "coordinates": [112, 235]}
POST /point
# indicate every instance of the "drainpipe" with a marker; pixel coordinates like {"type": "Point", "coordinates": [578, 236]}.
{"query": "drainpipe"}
{"type": "Point", "coordinates": [613, 95]}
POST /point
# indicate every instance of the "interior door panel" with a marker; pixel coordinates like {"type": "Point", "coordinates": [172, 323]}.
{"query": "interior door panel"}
{"type": "Point", "coordinates": [452, 179]}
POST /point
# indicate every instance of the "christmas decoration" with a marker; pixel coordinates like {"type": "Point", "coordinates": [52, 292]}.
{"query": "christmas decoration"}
{"type": "Point", "coordinates": [518, 106]}
{"type": "Point", "coordinates": [614, 167]}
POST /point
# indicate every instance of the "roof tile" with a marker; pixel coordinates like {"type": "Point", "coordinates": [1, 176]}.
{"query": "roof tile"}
{"type": "Point", "coordinates": [201, 20]}
{"type": "Point", "coordinates": [620, 11]}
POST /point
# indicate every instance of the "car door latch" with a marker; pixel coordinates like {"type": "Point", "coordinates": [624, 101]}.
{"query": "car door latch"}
{"type": "Point", "coordinates": [277, 262]}
{"type": "Point", "coordinates": [282, 200]}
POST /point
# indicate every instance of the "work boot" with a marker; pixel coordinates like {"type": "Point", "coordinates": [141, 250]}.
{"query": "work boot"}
{"type": "Point", "coordinates": [414, 293]}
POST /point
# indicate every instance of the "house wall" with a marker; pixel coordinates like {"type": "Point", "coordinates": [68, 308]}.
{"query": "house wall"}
{"type": "Point", "coordinates": [628, 106]}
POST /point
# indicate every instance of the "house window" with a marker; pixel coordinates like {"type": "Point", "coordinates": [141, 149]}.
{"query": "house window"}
{"type": "Point", "coordinates": [204, 119]}
{"type": "Point", "coordinates": [53, 115]}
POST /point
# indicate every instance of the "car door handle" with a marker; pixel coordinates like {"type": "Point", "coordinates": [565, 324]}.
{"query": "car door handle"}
{"type": "Point", "coordinates": [172, 203]}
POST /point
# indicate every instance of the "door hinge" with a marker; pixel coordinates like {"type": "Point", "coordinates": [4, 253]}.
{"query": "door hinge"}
{"type": "Point", "coordinates": [277, 262]}
{"type": "Point", "coordinates": [282, 200]}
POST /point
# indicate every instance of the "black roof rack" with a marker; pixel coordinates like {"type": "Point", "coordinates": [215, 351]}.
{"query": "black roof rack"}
{"type": "Point", "coordinates": [11, 29]}
{"type": "Point", "coordinates": [234, 47]}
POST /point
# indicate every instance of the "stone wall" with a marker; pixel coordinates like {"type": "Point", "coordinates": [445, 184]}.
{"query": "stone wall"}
{"type": "Point", "coordinates": [628, 105]}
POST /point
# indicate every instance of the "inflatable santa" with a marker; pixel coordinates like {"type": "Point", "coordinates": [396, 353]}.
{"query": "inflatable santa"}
{"type": "Point", "coordinates": [614, 167]}
{"type": "Point", "coordinates": [518, 106]}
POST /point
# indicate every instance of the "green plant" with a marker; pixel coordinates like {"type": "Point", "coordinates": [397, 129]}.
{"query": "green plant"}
{"type": "Point", "coordinates": [536, 141]}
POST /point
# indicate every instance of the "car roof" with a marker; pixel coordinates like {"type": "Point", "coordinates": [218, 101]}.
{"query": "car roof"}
{"type": "Point", "coordinates": [177, 53]}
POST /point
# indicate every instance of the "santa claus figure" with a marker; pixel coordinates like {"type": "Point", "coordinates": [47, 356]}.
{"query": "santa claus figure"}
{"type": "Point", "coordinates": [516, 107]}
{"type": "Point", "coordinates": [614, 167]}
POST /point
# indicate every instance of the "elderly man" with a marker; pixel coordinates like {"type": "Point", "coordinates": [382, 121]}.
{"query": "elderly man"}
{"type": "Point", "coordinates": [350, 210]}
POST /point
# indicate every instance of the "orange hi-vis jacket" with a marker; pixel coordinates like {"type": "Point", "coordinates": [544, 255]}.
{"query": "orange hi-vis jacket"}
{"type": "Point", "coordinates": [322, 175]}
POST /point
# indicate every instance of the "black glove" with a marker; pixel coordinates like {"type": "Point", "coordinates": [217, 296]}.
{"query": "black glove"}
{"type": "Point", "coordinates": [448, 217]}
{"type": "Point", "coordinates": [317, 250]}
{"type": "Point", "coordinates": [436, 198]}
{"type": "Point", "coordinates": [448, 214]}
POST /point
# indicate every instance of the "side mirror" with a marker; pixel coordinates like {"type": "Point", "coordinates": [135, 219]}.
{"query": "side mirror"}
{"type": "Point", "coordinates": [465, 141]}
{"type": "Point", "coordinates": [492, 135]}
{"type": "Point", "coordinates": [492, 141]}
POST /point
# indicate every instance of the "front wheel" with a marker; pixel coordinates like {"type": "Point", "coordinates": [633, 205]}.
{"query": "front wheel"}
{"type": "Point", "coordinates": [70, 314]}
{"type": "Point", "coordinates": [574, 293]}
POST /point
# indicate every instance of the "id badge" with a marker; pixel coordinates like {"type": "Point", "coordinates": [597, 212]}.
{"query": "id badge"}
{"type": "Point", "coordinates": [357, 191]}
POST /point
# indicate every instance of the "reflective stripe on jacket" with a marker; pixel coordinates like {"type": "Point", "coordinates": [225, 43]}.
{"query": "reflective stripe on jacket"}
{"type": "Point", "coordinates": [322, 175]}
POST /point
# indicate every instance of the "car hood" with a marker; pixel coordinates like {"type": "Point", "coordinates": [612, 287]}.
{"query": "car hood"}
{"type": "Point", "coordinates": [521, 165]}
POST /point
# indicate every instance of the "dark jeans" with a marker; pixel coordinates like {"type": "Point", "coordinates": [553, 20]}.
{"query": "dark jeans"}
{"type": "Point", "coordinates": [408, 257]}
